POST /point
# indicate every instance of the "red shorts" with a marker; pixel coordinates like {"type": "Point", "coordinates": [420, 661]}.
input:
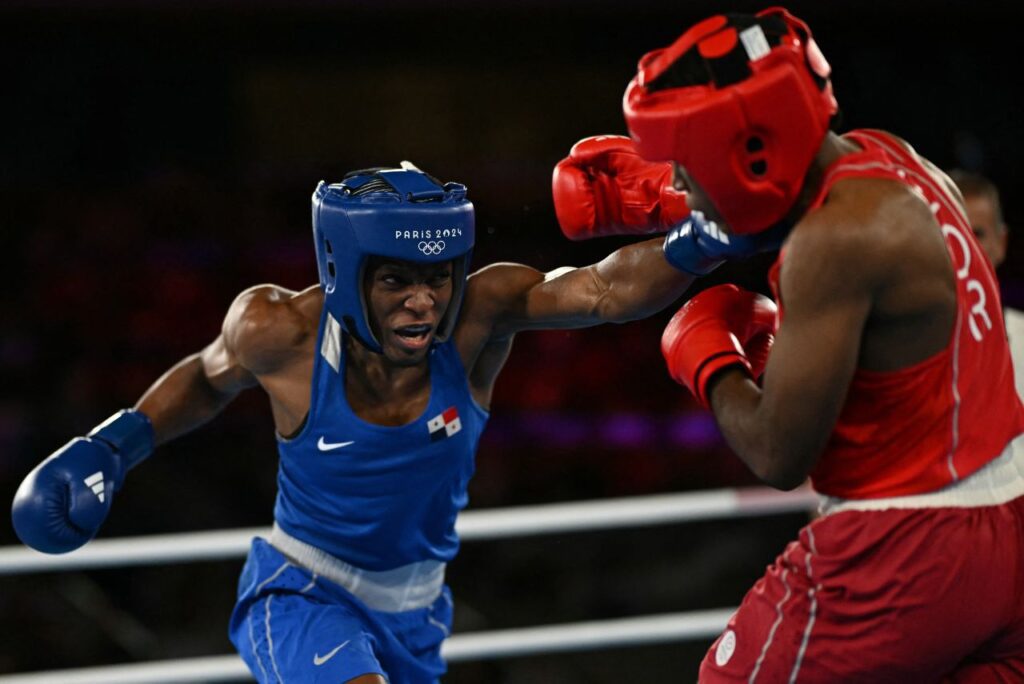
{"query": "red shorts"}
{"type": "Point", "coordinates": [921, 595]}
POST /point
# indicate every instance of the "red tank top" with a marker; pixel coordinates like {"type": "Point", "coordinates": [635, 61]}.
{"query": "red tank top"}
{"type": "Point", "coordinates": [921, 428]}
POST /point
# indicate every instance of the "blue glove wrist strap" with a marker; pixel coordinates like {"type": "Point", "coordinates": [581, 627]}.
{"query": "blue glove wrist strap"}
{"type": "Point", "coordinates": [684, 251]}
{"type": "Point", "coordinates": [129, 433]}
{"type": "Point", "coordinates": [697, 246]}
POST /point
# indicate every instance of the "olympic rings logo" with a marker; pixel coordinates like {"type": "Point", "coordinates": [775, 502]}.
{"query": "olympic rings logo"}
{"type": "Point", "coordinates": [431, 247]}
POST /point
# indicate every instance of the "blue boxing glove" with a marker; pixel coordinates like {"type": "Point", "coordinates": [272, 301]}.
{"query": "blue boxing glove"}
{"type": "Point", "coordinates": [698, 246]}
{"type": "Point", "coordinates": [61, 504]}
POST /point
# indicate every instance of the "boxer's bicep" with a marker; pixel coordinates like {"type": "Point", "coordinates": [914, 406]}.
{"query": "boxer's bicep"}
{"type": "Point", "coordinates": [817, 345]}
{"type": "Point", "coordinates": [223, 370]}
{"type": "Point", "coordinates": [200, 385]}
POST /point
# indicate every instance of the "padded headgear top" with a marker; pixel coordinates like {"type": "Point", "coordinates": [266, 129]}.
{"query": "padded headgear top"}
{"type": "Point", "coordinates": [401, 214]}
{"type": "Point", "coordinates": [743, 103]}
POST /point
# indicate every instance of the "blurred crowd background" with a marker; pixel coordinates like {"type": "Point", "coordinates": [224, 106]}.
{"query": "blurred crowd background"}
{"type": "Point", "coordinates": [158, 158]}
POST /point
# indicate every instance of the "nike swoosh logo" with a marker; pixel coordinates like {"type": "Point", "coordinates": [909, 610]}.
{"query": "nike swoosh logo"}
{"type": "Point", "coordinates": [327, 446]}
{"type": "Point", "coordinates": [318, 660]}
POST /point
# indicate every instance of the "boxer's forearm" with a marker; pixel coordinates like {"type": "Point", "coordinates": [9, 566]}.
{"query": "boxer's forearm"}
{"type": "Point", "coordinates": [183, 399]}
{"type": "Point", "coordinates": [639, 283]}
{"type": "Point", "coordinates": [633, 282]}
{"type": "Point", "coordinates": [780, 454]}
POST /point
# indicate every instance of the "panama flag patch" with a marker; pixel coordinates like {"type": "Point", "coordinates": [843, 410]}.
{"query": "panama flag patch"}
{"type": "Point", "coordinates": [444, 425]}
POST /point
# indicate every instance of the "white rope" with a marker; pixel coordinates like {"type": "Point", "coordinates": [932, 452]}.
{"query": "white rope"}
{"type": "Point", "coordinates": [500, 523]}
{"type": "Point", "coordinates": [209, 669]}
{"type": "Point", "coordinates": [460, 647]}
{"type": "Point", "coordinates": [155, 549]}
{"type": "Point", "coordinates": [580, 636]}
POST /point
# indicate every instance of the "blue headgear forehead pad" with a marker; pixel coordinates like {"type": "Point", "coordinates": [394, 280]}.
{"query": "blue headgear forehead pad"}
{"type": "Point", "coordinates": [400, 214]}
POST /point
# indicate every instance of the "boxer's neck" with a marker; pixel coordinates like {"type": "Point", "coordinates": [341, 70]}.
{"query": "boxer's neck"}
{"type": "Point", "coordinates": [833, 147]}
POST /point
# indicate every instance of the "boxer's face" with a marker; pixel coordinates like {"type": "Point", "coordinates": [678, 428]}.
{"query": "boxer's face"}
{"type": "Point", "coordinates": [990, 231]}
{"type": "Point", "coordinates": [406, 302]}
{"type": "Point", "coordinates": [696, 198]}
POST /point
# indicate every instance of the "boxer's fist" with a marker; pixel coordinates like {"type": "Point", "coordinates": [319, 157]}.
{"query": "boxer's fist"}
{"type": "Point", "coordinates": [722, 326]}
{"type": "Point", "coordinates": [61, 504]}
{"type": "Point", "coordinates": [605, 188]}
{"type": "Point", "coordinates": [65, 499]}
{"type": "Point", "coordinates": [698, 246]}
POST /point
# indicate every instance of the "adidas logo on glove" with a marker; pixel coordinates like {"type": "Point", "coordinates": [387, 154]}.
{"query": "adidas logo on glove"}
{"type": "Point", "coordinates": [95, 483]}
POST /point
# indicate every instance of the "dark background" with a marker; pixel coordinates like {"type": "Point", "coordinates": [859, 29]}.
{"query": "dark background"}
{"type": "Point", "coordinates": [158, 159]}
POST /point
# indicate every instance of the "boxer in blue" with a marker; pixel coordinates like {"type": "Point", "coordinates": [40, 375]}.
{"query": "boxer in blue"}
{"type": "Point", "coordinates": [379, 379]}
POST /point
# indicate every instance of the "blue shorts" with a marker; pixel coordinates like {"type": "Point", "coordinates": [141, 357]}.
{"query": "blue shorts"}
{"type": "Point", "coordinates": [292, 626]}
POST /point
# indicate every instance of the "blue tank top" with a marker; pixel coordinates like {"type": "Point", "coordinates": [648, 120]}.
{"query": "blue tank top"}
{"type": "Point", "coordinates": [375, 496]}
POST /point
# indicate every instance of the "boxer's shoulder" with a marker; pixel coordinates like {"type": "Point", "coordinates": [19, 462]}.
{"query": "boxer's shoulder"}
{"type": "Point", "coordinates": [878, 212]}
{"type": "Point", "coordinates": [858, 236]}
{"type": "Point", "coordinates": [268, 324]}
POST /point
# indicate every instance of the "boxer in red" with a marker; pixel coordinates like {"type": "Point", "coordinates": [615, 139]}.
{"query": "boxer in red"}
{"type": "Point", "coordinates": [889, 383]}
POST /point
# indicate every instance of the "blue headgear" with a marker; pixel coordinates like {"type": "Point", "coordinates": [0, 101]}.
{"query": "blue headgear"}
{"type": "Point", "coordinates": [395, 213]}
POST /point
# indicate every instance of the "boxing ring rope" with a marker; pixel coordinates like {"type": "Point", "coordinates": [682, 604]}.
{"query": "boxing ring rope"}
{"type": "Point", "coordinates": [480, 525]}
{"type": "Point", "coordinates": [461, 647]}
{"type": "Point", "coordinates": [488, 524]}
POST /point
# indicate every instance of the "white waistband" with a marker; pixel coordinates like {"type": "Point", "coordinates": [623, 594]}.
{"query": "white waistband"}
{"type": "Point", "coordinates": [408, 587]}
{"type": "Point", "coordinates": [998, 481]}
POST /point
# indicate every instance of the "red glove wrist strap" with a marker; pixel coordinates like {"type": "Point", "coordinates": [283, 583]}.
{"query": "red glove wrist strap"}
{"type": "Point", "coordinates": [711, 365]}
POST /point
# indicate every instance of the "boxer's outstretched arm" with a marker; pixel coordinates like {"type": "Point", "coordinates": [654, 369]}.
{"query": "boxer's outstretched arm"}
{"type": "Point", "coordinates": [631, 283]}
{"type": "Point", "coordinates": [828, 278]}
{"type": "Point", "coordinates": [63, 501]}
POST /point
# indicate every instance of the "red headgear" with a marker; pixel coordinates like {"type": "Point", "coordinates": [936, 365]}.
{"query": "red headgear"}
{"type": "Point", "coordinates": [742, 103]}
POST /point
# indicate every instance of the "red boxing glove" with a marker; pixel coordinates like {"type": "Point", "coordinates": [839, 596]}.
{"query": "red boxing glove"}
{"type": "Point", "coordinates": [722, 326]}
{"type": "Point", "coordinates": [605, 188]}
